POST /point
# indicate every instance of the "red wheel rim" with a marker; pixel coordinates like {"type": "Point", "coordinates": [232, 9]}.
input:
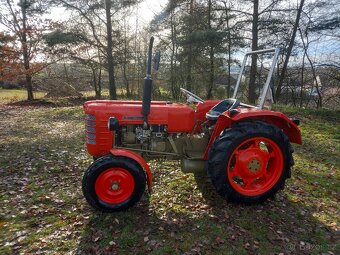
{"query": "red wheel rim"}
{"type": "Point", "coordinates": [114, 185]}
{"type": "Point", "coordinates": [255, 166]}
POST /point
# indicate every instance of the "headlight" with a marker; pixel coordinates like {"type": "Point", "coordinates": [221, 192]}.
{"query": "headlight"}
{"type": "Point", "coordinates": [112, 124]}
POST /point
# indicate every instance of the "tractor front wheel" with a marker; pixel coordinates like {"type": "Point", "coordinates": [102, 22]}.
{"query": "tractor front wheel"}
{"type": "Point", "coordinates": [113, 183]}
{"type": "Point", "coordinates": [250, 162]}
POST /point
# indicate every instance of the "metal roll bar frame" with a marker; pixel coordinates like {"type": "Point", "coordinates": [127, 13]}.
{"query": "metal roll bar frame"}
{"type": "Point", "coordinates": [270, 74]}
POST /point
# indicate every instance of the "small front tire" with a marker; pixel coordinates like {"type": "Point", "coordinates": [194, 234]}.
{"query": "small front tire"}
{"type": "Point", "coordinates": [113, 184]}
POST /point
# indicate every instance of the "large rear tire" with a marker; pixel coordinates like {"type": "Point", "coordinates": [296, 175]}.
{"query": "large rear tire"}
{"type": "Point", "coordinates": [113, 184]}
{"type": "Point", "coordinates": [250, 162]}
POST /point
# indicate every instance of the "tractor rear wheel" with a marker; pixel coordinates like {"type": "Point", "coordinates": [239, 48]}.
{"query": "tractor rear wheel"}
{"type": "Point", "coordinates": [113, 183]}
{"type": "Point", "coordinates": [250, 162]}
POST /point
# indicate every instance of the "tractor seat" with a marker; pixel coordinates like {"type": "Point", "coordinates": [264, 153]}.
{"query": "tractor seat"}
{"type": "Point", "coordinates": [225, 105]}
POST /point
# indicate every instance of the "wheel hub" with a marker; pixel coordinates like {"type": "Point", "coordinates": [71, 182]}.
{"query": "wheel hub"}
{"type": "Point", "coordinates": [250, 162]}
{"type": "Point", "coordinates": [254, 165]}
{"type": "Point", "coordinates": [115, 185]}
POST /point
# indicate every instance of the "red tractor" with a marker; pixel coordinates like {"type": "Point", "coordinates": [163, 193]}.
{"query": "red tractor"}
{"type": "Point", "coordinates": [245, 149]}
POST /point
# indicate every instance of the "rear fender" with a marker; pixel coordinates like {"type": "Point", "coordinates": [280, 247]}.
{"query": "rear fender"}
{"type": "Point", "coordinates": [278, 119]}
{"type": "Point", "coordinates": [139, 159]}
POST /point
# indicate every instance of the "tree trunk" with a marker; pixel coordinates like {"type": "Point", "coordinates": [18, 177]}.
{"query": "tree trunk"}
{"type": "Point", "coordinates": [25, 54]}
{"type": "Point", "coordinates": [94, 80]}
{"type": "Point", "coordinates": [289, 51]}
{"type": "Point", "coordinates": [293, 95]}
{"type": "Point", "coordinates": [109, 57]}
{"type": "Point", "coordinates": [189, 62]}
{"type": "Point", "coordinates": [135, 66]}
{"type": "Point", "coordinates": [302, 79]}
{"type": "Point", "coordinates": [227, 9]}
{"type": "Point", "coordinates": [189, 67]}
{"type": "Point", "coordinates": [172, 59]}
{"type": "Point", "coordinates": [229, 71]}
{"type": "Point", "coordinates": [126, 80]}
{"type": "Point", "coordinates": [99, 95]}
{"type": "Point", "coordinates": [211, 56]}
{"type": "Point", "coordinates": [254, 42]}
{"type": "Point", "coordinates": [229, 61]}
{"type": "Point", "coordinates": [212, 72]}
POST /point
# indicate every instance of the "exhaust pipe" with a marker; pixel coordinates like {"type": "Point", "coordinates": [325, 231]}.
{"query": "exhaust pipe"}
{"type": "Point", "coordinates": [147, 87]}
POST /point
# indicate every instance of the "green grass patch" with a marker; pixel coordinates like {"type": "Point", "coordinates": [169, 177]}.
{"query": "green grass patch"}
{"type": "Point", "coordinates": [13, 95]}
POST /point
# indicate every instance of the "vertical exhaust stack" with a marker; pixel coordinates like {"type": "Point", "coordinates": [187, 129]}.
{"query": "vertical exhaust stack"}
{"type": "Point", "coordinates": [147, 87]}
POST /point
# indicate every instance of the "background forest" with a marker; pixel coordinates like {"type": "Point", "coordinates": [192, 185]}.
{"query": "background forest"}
{"type": "Point", "coordinates": [100, 46]}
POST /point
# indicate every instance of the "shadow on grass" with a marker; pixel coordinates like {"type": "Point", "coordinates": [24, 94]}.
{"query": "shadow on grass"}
{"type": "Point", "coordinates": [278, 222]}
{"type": "Point", "coordinates": [213, 226]}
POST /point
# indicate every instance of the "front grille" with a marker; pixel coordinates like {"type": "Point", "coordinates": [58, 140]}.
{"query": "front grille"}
{"type": "Point", "coordinates": [89, 141]}
{"type": "Point", "coordinates": [90, 117]}
{"type": "Point", "coordinates": [90, 123]}
{"type": "Point", "coordinates": [90, 130]}
{"type": "Point", "coordinates": [91, 136]}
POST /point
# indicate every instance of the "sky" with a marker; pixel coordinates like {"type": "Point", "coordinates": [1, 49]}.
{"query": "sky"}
{"type": "Point", "coordinates": [146, 11]}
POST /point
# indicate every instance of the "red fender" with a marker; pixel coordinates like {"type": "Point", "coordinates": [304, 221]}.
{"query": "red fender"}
{"type": "Point", "coordinates": [139, 159]}
{"type": "Point", "coordinates": [278, 119]}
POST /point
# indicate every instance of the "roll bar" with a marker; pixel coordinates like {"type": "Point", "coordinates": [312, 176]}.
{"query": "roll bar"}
{"type": "Point", "coordinates": [270, 74]}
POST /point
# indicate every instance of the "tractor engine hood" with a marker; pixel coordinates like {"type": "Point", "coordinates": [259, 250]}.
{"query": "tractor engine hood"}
{"type": "Point", "coordinates": [179, 118]}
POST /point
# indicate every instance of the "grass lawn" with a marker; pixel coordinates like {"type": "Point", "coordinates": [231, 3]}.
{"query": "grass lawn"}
{"type": "Point", "coordinates": [42, 210]}
{"type": "Point", "coordinates": [13, 95]}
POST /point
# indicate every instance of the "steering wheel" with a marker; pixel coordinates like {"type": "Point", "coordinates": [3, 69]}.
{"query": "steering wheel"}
{"type": "Point", "coordinates": [191, 97]}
